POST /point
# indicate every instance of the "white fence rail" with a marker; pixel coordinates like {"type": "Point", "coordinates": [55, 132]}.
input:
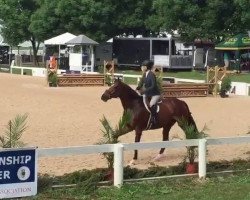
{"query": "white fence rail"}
{"type": "Point", "coordinates": [118, 150]}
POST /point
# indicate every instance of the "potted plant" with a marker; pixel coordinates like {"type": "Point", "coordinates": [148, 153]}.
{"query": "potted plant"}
{"type": "Point", "coordinates": [192, 151]}
{"type": "Point", "coordinates": [108, 80]}
{"type": "Point", "coordinates": [225, 86]}
{"type": "Point", "coordinates": [191, 166]}
{"type": "Point", "coordinates": [110, 136]}
{"type": "Point", "coordinates": [52, 79]}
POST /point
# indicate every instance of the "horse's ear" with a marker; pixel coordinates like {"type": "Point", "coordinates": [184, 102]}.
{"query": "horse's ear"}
{"type": "Point", "coordinates": [117, 79]}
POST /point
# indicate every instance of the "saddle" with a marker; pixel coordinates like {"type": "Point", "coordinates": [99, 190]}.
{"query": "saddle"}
{"type": "Point", "coordinates": [150, 119]}
{"type": "Point", "coordinates": [146, 104]}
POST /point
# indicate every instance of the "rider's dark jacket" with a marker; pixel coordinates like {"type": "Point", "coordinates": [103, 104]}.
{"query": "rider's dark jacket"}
{"type": "Point", "coordinates": [150, 85]}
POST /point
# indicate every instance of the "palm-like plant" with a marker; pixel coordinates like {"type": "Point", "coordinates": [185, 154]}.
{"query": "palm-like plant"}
{"type": "Point", "coordinates": [110, 135]}
{"type": "Point", "coordinates": [192, 133]}
{"type": "Point", "coordinates": [13, 132]}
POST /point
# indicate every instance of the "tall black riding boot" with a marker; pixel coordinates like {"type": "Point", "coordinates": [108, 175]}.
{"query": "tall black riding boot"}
{"type": "Point", "coordinates": [153, 110]}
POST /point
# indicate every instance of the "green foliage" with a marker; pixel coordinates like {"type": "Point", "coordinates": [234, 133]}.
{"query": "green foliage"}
{"type": "Point", "coordinates": [201, 19]}
{"type": "Point", "coordinates": [159, 83]}
{"type": "Point", "coordinates": [191, 133]}
{"type": "Point", "coordinates": [100, 69]}
{"type": "Point", "coordinates": [44, 182]}
{"type": "Point", "coordinates": [108, 80]}
{"type": "Point", "coordinates": [15, 18]}
{"type": "Point", "coordinates": [13, 132]}
{"type": "Point", "coordinates": [226, 84]}
{"type": "Point", "coordinates": [110, 135]}
{"type": "Point", "coordinates": [181, 188]}
{"type": "Point", "coordinates": [52, 79]}
{"type": "Point", "coordinates": [190, 130]}
{"type": "Point", "coordinates": [37, 20]}
{"type": "Point", "coordinates": [131, 15]}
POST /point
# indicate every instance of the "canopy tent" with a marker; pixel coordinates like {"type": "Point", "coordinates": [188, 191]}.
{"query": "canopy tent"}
{"type": "Point", "coordinates": [2, 43]}
{"type": "Point", "coordinates": [235, 43]}
{"type": "Point", "coordinates": [60, 39]}
{"type": "Point", "coordinates": [25, 48]}
{"type": "Point", "coordinates": [27, 44]}
{"type": "Point", "coordinates": [82, 40]}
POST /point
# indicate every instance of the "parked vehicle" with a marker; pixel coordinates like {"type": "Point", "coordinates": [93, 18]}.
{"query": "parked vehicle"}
{"type": "Point", "coordinates": [4, 56]}
{"type": "Point", "coordinates": [103, 52]}
{"type": "Point", "coordinates": [133, 51]}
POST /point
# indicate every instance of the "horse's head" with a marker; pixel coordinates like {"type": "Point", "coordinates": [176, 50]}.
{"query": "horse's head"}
{"type": "Point", "coordinates": [113, 92]}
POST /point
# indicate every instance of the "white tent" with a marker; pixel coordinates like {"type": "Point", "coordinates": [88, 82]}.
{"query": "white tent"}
{"type": "Point", "coordinates": [27, 44]}
{"type": "Point", "coordinates": [75, 59]}
{"type": "Point", "coordinates": [60, 39]}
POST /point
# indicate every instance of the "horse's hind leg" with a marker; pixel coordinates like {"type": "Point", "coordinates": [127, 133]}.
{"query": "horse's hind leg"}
{"type": "Point", "coordinates": [165, 137]}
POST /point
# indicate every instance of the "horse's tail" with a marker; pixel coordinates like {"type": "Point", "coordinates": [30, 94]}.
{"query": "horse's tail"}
{"type": "Point", "coordinates": [187, 120]}
{"type": "Point", "coordinates": [191, 122]}
{"type": "Point", "coordinates": [190, 119]}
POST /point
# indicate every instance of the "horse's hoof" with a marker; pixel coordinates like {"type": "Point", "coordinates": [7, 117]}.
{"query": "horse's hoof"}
{"type": "Point", "coordinates": [132, 162]}
{"type": "Point", "coordinates": [159, 157]}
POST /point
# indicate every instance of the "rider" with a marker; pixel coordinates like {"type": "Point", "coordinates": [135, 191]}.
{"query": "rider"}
{"type": "Point", "coordinates": [149, 89]}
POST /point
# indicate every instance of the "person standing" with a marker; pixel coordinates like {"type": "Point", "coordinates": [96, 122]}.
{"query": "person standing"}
{"type": "Point", "coordinates": [149, 89]}
{"type": "Point", "coordinates": [226, 60]}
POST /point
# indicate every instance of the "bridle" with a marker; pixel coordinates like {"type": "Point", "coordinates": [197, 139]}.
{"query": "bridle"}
{"type": "Point", "coordinates": [108, 94]}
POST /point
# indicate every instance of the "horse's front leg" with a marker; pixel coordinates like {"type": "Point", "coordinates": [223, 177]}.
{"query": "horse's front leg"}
{"type": "Point", "coordinates": [138, 133]}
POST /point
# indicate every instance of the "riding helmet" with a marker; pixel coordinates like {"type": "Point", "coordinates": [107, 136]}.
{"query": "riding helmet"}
{"type": "Point", "coordinates": [148, 63]}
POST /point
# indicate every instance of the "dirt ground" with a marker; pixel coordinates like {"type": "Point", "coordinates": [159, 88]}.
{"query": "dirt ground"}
{"type": "Point", "coordinates": [63, 117]}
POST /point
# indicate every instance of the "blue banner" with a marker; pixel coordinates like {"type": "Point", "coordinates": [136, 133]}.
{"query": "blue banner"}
{"type": "Point", "coordinates": [17, 166]}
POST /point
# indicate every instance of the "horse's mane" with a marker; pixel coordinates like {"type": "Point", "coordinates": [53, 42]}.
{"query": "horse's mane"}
{"type": "Point", "coordinates": [130, 92]}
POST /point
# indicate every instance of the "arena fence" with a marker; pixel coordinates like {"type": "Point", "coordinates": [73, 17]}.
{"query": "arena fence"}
{"type": "Point", "coordinates": [239, 87]}
{"type": "Point", "coordinates": [118, 150]}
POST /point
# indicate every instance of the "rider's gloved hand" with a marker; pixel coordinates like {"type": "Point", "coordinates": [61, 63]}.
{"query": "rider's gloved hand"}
{"type": "Point", "coordinates": [142, 91]}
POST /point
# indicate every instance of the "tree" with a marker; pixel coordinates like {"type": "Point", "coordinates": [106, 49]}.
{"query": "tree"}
{"type": "Point", "coordinates": [15, 17]}
{"type": "Point", "coordinates": [95, 18]}
{"type": "Point", "coordinates": [89, 17]}
{"type": "Point", "coordinates": [224, 18]}
{"type": "Point", "coordinates": [204, 19]}
{"type": "Point", "coordinates": [45, 22]}
{"type": "Point", "coordinates": [131, 15]}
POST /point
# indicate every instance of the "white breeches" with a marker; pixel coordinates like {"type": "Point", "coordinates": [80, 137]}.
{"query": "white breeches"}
{"type": "Point", "coordinates": [154, 99]}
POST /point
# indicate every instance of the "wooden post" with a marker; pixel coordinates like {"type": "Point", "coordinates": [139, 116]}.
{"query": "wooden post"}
{"type": "Point", "coordinates": [208, 74]}
{"type": "Point", "coordinates": [104, 67]}
{"type": "Point", "coordinates": [216, 80]}
{"type": "Point", "coordinates": [111, 70]}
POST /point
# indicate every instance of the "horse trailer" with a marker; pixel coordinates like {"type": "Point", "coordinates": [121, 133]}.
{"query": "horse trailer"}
{"type": "Point", "coordinates": [103, 52]}
{"type": "Point", "coordinates": [133, 51]}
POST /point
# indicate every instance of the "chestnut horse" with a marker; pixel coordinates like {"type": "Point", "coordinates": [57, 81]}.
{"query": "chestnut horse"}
{"type": "Point", "coordinates": [171, 109]}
